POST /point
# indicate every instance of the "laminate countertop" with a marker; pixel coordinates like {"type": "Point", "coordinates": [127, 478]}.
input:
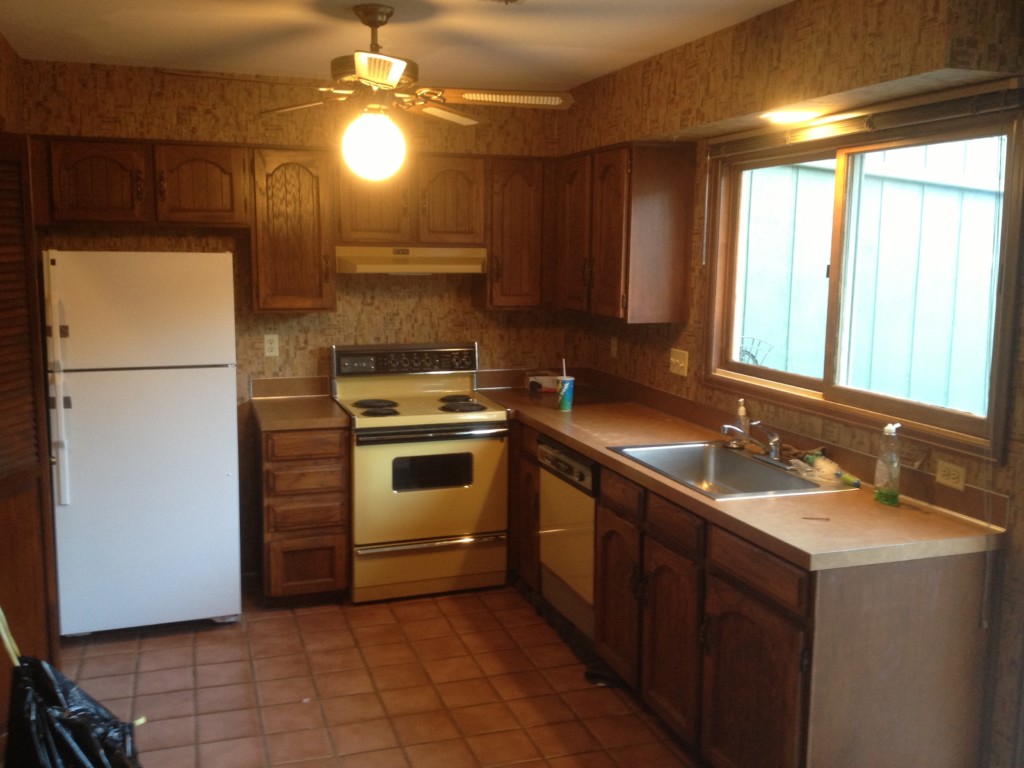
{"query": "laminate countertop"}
{"type": "Point", "coordinates": [813, 531]}
{"type": "Point", "coordinates": [305, 412]}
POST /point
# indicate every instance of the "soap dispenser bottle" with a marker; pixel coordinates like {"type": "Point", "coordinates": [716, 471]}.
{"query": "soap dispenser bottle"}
{"type": "Point", "coordinates": [742, 420]}
{"type": "Point", "coordinates": [887, 468]}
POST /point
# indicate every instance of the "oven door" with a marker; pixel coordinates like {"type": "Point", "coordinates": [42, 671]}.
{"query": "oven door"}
{"type": "Point", "coordinates": [426, 483]}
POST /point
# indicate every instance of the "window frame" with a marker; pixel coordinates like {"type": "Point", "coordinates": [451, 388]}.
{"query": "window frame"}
{"type": "Point", "coordinates": [982, 435]}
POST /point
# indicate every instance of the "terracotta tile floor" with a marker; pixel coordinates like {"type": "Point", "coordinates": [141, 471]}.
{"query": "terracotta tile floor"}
{"type": "Point", "coordinates": [474, 679]}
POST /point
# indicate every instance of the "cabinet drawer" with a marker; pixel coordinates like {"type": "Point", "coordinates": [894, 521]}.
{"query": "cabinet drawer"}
{"type": "Point", "coordinates": [305, 512]}
{"type": "Point", "coordinates": [761, 570]}
{"type": "Point", "coordinates": [674, 526]}
{"type": "Point", "coordinates": [305, 477]}
{"type": "Point", "coordinates": [621, 495]}
{"type": "Point", "coordinates": [304, 565]}
{"type": "Point", "coordinates": [304, 444]}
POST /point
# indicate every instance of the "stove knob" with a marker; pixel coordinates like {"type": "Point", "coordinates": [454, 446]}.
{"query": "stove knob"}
{"type": "Point", "coordinates": [580, 476]}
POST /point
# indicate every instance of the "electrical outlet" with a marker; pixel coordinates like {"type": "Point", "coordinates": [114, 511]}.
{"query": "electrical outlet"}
{"type": "Point", "coordinates": [679, 362]}
{"type": "Point", "coordinates": [950, 475]}
{"type": "Point", "coordinates": [271, 348]}
{"type": "Point", "coordinates": [613, 347]}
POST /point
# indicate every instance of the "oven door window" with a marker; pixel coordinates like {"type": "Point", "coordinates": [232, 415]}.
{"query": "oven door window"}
{"type": "Point", "coordinates": [425, 473]}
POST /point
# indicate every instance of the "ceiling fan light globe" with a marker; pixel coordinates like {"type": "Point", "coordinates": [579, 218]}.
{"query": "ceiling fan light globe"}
{"type": "Point", "coordinates": [373, 147]}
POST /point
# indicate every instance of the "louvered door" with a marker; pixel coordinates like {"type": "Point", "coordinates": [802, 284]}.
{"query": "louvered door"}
{"type": "Point", "coordinates": [26, 555]}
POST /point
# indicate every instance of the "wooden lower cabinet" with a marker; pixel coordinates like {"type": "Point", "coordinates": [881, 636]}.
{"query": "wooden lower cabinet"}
{"type": "Point", "coordinates": [670, 671]}
{"type": "Point", "coordinates": [753, 661]}
{"type": "Point", "coordinates": [647, 600]}
{"type": "Point", "coordinates": [305, 511]}
{"type": "Point", "coordinates": [753, 682]}
{"type": "Point", "coordinates": [617, 597]}
{"type": "Point", "coordinates": [524, 509]}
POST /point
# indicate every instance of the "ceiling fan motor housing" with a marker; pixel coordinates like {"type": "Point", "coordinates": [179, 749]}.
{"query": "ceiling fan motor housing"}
{"type": "Point", "coordinates": [343, 70]}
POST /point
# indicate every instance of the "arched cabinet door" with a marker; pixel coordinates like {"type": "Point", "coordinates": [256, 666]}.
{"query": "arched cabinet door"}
{"type": "Point", "coordinates": [101, 181]}
{"type": "Point", "coordinates": [293, 258]}
{"type": "Point", "coordinates": [201, 184]}
{"type": "Point", "coordinates": [451, 199]}
{"type": "Point", "coordinates": [753, 681]}
{"type": "Point", "coordinates": [514, 258]}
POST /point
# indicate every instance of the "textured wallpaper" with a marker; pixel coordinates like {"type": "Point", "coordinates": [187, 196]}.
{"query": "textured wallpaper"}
{"type": "Point", "coordinates": [838, 52]}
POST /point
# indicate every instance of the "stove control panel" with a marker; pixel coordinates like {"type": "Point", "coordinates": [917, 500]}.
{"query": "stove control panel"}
{"type": "Point", "coordinates": [362, 361]}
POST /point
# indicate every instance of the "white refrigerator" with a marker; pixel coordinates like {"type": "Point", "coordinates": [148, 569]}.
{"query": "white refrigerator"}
{"type": "Point", "coordinates": [144, 436]}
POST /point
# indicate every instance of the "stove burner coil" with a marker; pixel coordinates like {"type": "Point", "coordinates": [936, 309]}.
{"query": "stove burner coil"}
{"type": "Point", "coordinates": [455, 399]}
{"type": "Point", "coordinates": [463, 406]}
{"type": "Point", "coordinates": [374, 402]}
{"type": "Point", "coordinates": [382, 411]}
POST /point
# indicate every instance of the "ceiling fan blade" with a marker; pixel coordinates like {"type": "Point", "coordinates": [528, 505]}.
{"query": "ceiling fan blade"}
{"type": "Point", "coordinates": [528, 99]}
{"type": "Point", "coordinates": [335, 96]}
{"type": "Point", "coordinates": [439, 110]}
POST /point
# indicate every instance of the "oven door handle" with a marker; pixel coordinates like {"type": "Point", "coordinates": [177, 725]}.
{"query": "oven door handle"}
{"type": "Point", "coordinates": [449, 541]}
{"type": "Point", "coordinates": [430, 435]}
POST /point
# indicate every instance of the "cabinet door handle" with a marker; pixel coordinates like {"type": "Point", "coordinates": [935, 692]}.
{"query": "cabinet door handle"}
{"type": "Point", "coordinates": [137, 182]}
{"type": "Point", "coordinates": [161, 185]}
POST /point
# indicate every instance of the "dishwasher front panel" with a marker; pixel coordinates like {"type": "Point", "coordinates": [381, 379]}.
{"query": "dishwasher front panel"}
{"type": "Point", "coordinates": [567, 534]}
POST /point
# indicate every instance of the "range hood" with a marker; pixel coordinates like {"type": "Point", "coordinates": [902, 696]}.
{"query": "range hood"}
{"type": "Point", "coordinates": [421, 260]}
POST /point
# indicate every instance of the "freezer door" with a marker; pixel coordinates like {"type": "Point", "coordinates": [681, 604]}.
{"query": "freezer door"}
{"type": "Point", "coordinates": [151, 531]}
{"type": "Point", "coordinates": [122, 309]}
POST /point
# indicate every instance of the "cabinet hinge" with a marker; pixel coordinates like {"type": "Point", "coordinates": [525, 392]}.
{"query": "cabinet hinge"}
{"type": "Point", "coordinates": [623, 300]}
{"type": "Point", "coordinates": [805, 661]}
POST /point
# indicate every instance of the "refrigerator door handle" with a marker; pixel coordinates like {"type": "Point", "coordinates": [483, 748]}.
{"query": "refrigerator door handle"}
{"type": "Point", "coordinates": [60, 441]}
{"type": "Point", "coordinates": [55, 331]}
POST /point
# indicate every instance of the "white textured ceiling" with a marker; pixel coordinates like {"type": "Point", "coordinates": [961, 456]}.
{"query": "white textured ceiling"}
{"type": "Point", "coordinates": [529, 44]}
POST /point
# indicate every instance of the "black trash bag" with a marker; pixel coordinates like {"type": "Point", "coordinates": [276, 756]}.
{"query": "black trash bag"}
{"type": "Point", "coordinates": [53, 723]}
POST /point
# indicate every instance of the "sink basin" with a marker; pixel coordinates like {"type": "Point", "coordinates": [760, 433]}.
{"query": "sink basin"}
{"type": "Point", "coordinates": [722, 473]}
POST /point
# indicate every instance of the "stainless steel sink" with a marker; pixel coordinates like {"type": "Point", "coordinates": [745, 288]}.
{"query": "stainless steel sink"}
{"type": "Point", "coordinates": [723, 473]}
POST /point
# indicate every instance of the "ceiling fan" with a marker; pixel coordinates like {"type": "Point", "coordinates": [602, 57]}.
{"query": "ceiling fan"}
{"type": "Point", "coordinates": [371, 79]}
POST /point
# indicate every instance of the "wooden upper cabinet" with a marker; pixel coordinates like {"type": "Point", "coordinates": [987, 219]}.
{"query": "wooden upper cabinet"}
{"type": "Point", "coordinates": [201, 184]}
{"type": "Point", "coordinates": [101, 181]}
{"type": "Point", "coordinates": [376, 211]}
{"type": "Point", "coordinates": [293, 257]}
{"type": "Point", "coordinates": [571, 211]}
{"type": "Point", "coordinates": [139, 182]}
{"type": "Point", "coordinates": [514, 255]}
{"type": "Point", "coordinates": [433, 200]}
{"type": "Point", "coordinates": [451, 204]}
{"type": "Point", "coordinates": [609, 221]}
{"type": "Point", "coordinates": [624, 234]}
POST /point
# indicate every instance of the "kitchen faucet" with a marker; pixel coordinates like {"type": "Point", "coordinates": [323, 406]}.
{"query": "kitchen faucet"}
{"type": "Point", "coordinates": [771, 448]}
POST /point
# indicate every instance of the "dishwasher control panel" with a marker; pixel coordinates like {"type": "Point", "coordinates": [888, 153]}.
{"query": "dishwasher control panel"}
{"type": "Point", "coordinates": [567, 464]}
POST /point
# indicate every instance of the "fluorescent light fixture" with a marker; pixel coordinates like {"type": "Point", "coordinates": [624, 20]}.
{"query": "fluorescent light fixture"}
{"type": "Point", "coordinates": [790, 116]}
{"type": "Point", "coordinates": [372, 146]}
